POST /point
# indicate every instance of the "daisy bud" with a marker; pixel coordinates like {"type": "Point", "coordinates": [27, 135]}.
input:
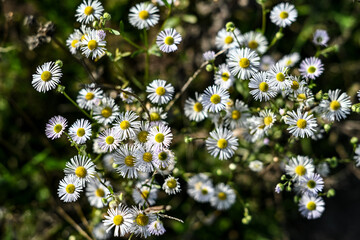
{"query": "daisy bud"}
{"type": "Point", "coordinates": [107, 16]}
{"type": "Point", "coordinates": [354, 140]}
{"type": "Point", "coordinates": [283, 177]}
{"type": "Point", "coordinates": [60, 89]}
{"type": "Point", "coordinates": [95, 24]}
{"type": "Point", "coordinates": [113, 204]}
{"type": "Point", "coordinates": [327, 127]}
{"type": "Point", "coordinates": [279, 35]}
{"type": "Point", "coordinates": [114, 165]}
{"type": "Point", "coordinates": [209, 67]}
{"type": "Point", "coordinates": [288, 188]}
{"type": "Point", "coordinates": [296, 199]}
{"type": "Point", "coordinates": [318, 96]}
{"type": "Point", "coordinates": [188, 139]}
{"type": "Point", "coordinates": [330, 193]}
{"type": "Point", "coordinates": [230, 27]}
{"type": "Point", "coordinates": [325, 96]}
{"type": "Point", "coordinates": [104, 201]}
{"type": "Point", "coordinates": [59, 63]}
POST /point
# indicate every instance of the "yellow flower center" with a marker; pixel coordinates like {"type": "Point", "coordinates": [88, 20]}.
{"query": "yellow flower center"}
{"type": "Point", "coordinates": [147, 157]}
{"type": "Point", "coordinates": [169, 40]}
{"type": "Point", "coordinates": [92, 44]}
{"type": "Point", "coordinates": [244, 63]}
{"type": "Point", "coordinates": [222, 143]}
{"type": "Point", "coordinates": [70, 188]}
{"type": "Point", "coordinates": [130, 161]}
{"type": "Point", "coordinates": [295, 85]}
{"type": "Point", "coordinates": [142, 136]}
{"type": "Point", "coordinates": [58, 128]}
{"type": "Point", "coordinates": [106, 112]}
{"type": "Point", "coordinates": [89, 10]}
{"type": "Point", "coordinates": [145, 194]}
{"type": "Point", "coordinates": [280, 77]}
{"type": "Point", "coordinates": [83, 37]}
{"type": "Point", "coordinates": [253, 44]}
{"type": "Point", "coordinates": [124, 125]}
{"type": "Point", "coordinates": [204, 191]}
{"type": "Point", "coordinates": [99, 192]}
{"type": "Point", "coordinates": [118, 220]}
{"type": "Point", "coordinates": [45, 76]}
{"type": "Point", "coordinates": [215, 99]}
{"type": "Point", "coordinates": [160, 91]}
{"type": "Point", "coordinates": [142, 219]}
{"type": "Point", "coordinates": [80, 132]}
{"type": "Point", "coordinates": [301, 96]}
{"type": "Point", "coordinates": [89, 96]}
{"type": "Point", "coordinates": [301, 123]}
{"type": "Point", "coordinates": [311, 69]}
{"type": "Point", "coordinates": [334, 105]}
{"type": "Point", "coordinates": [154, 116]}
{"type": "Point", "coordinates": [311, 206]}
{"type": "Point", "coordinates": [222, 196]}
{"type": "Point", "coordinates": [289, 62]}
{"type": "Point", "coordinates": [311, 184]}
{"type": "Point", "coordinates": [268, 120]}
{"type": "Point", "coordinates": [225, 76]}
{"type": "Point", "coordinates": [109, 140]}
{"type": "Point", "coordinates": [300, 170]}
{"type": "Point", "coordinates": [159, 137]}
{"type": "Point", "coordinates": [235, 114]}
{"type": "Point", "coordinates": [264, 87]}
{"type": "Point", "coordinates": [198, 107]}
{"type": "Point", "coordinates": [143, 14]}
{"type": "Point", "coordinates": [228, 39]}
{"type": "Point", "coordinates": [284, 15]}
{"type": "Point", "coordinates": [171, 183]}
{"type": "Point", "coordinates": [162, 156]}
{"type": "Point", "coordinates": [80, 172]}
{"type": "Point", "coordinates": [74, 42]}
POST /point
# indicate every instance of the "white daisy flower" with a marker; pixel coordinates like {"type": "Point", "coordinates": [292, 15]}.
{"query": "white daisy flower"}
{"type": "Point", "coordinates": [290, 60]}
{"type": "Point", "coordinates": [311, 207]}
{"type": "Point", "coordinates": [243, 62]}
{"type": "Point", "coordinates": [171, 185]}
{"type": "Point", "coordinates": [283, 14]}
{"type": "Point", "coordinates": [168, 39]}
{"type": "Point", "coordinates": [266, 62]}
{"type": "Point", "coordinates": [311, 68]}
{"type": "Point", "coordinates": [144, 15]}
{"type": "Point", "coordinates": [145, 158]}
{"type": "Point", "coordinates": [312, 184]}
{"type": "Point", "coordinates": [73, 41]}
{"type": "Point", "coordinates": [225, 40]}
{"type": "Point", "coordinates": [323, 169]}
{"type": "Point", "coordinates": [88, 11]}
{"type": "Point", "coordinates": [156, 228]}
{"type": "Point", "coordinates": [321, 37]}
{"type": "Point", "coordinates": [257, 127]}
{"type": "Point", "coordinates": [194, 109]}
{"type": "Point", "coordinates": [223, 77]}
{"type": "Point", "coordinates": [93, 45]}
{"type": "Point", "coordinates": [296, 85]}
{"type": "Point", "coordinates": [255, 41]}
{"type": "Point", "coordinates": [301, 124]}
{"type": "Point", "coordinates": [236, 115]}
{"type": "Point", "coordinates": [82, 167]}
{"type": "Point", "coordinates": [121, 218]}
{"type": "Point", "coordinates": [163, 158]}
{"type": "Point", "coordinates": [109, 139]}
{"type": "Point", "coordinates": [337, 107]}
{"type": "Point", "coordinates": [160, 92]}
{"type": "Point", "coordinates": [127, 124]}
{"type": "Point", "coordinates": [256, 166]}
{"type": "Point", "coordinates": [95, 192]}
{"type": "Point", "coordinates": [142, 133]}
{"type": "Point", "coordinates": [222, 143]}
{"type": "Point", "coordinates": [96, 148]}
{"type": "Point", "coordinates": [203, 192]}
{"type": "Point", "coordinates": [195, 182]}
{"type": "Point", "coordinates": [167, 170]}
{"type": "Point", "coordinates": [156, 114]}
{"type": "Point", "coordinates": [298, 167]}
{"type": "Point", "coordinates": [47, 77]}
{"type": "Point", "coordinates": [106, 112]}
{"type": "Point", "coordinates": [357, 156]}
{"type": "Point", "coordinates": [126, 97]}
{"type": "Point", "coordinates": [159, 137]}
{"type": "Point", "coordinates": [261, 88]}
{"type": "Point", "coordinates": [304, 96]}
{"type": "Point", "coordinates": [278, 77]}
{"type": "Point", "coordinates": [215, 98]}
{"type": "Point", "coordinates": [268, 118]}
{"type": "Point", "coordinates": [224, 197]}
{"type": "Point", "coordinates": [80, 131]}
{"type": "Point", "coordinates": [141, 222]}
{"type": "Point", "coordinates": [125, 157]}
{"type": "Point", "coordinates": [55, 127]}
{"type": "Point", "coordinates": [145, 193]}
{"type": "Point", "coordinates": [209, 56]}
{"type": "Point", "coordinates": [100, 233]}
{"type": "Point", "coordinates": [89, 97]}
{"type": "Point", "coordinates": [70, 188]}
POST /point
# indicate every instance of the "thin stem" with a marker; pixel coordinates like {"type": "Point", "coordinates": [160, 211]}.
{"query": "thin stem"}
{"type": "Point", "coordinates": [131, 42]}
{"type": "Point", "coordinates": [237, 40]}
{"type": "Point", "coordinates": [263, 26]}
{"type": "Point", "coordinates": [186, 85]}
{"type": "Point", "coordinates": [275, 39]}
{"type": "Point", "coordinates": [72, 141]}
{"type": "Point", "coordinates": [76, 105]}
{"type": "Point", "coordinates": [147, 62]}
{"type": "Point", "coordinates": [83, 218]}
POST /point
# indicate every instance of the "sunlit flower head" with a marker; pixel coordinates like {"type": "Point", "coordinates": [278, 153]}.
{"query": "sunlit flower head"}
{"type": "Point", "coordinates": [301, 124]}
{"type": "Point", "coordinates": [168, 39]}
{"type": "Point", "coordinates": [93, 45]}
{"type": "Point", "coordinates": [321, 37]}
{"type": "Point", "coordinates": [311, 68]}
{"type": "Point", "coordinates": [215, 98]}
{"type": "Point", "coordinates": [125, 157]}
{"type": "Point", "coordinates": [227, 40]}
{"type": "Point", "coordinates": [70, 188]}
{"type": "Point", "coordinates": [337, 107]}
{"type": "Point", "coordinates": [47, 77]}
{"type": "Point", "coordinates": [283, 14]}
{"type": "Point", "coordinates": [89, 97]}
{"type": "Point", "coordinates": [160, 92]}
{"type": "Point", "coordinates": [237, 114]}
{"type": "Point", "coordinates": [243, 62]}
{"type": "Point", "coordinates": [95, 192]}
{"type": "Point", "coordinates": [223, 77]}
{"type": "Point", "coordinates": [290, 60]}
{"type": "Point", "coordinates": [127, 124]}
{"type": "Point", "coordinates": [311, 207]}
{"type": "Point", "coordinates": [261, 88]}
{"type": "Point", "coordinates": [120, 218]}
{"type": "Point", "coordinates": [109, 139]}
{"type": "Point", "coordinates": [106, 111]}
{"type": "Point", "coordinates": [88, 11]}
{"type": "Point", "coordinates": [144, 15]}
{"type": "Point", "coordinates": [255, 41]}
{"type": "Point", "coordinates": [55, 127]}
{"type": "Point", "coordinates": [223, 198]}
{"type": "Point", "coordinates": [222, 143]}
{"type": "Point", "coordinates": [298, 167]}
{"type": "Point", "coordinates": [80, 131]}
{"type": "Point", "coordinates": [82, 167]}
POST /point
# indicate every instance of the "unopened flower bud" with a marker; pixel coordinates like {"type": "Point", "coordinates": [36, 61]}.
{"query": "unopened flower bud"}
{"type": "Point", "coordinates": [95, 24]}
{"type": "Point", "coordinates": [107, 16]}
{"type": "Point", "coordinates": [209, 67]}
{"type": "Point", "coordinates": [327, 127]}
{"type": "Point", "coordinates": [354, 140]}
{"type": "Point", "coordinates": [59, 63]}
{"type": "Point", "coordinates": [330, 193]}
{"type": "Point", "coordinates": [230, 27]}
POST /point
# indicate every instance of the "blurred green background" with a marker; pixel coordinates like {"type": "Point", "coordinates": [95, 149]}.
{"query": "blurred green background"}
{"type": "Point", "coordinates": [31, 165]}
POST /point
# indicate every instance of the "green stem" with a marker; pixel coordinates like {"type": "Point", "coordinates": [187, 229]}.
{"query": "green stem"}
{"type": "Point", "coordinates": [263, 26]}
{"type": "Point", "coordinates": [237, 40]}
{"type": "Point", "coordinates": [147, 62]}
{"type": "Point", "coordinates": [131, 42]}
{"type": "Point", "coordinates": [76, 105]}
{"type": "Point", "coordinates": [275, 39]}
{"type": "Point", "coordinates": [73, 142]}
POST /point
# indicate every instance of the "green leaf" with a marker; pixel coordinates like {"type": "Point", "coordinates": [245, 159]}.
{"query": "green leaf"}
{"type": "Point", "coordinates": [121, 26]}
{"type": "Point", "coordinates": [113, 31]}
{"type": "Point", "coordinates": [154, 50]}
